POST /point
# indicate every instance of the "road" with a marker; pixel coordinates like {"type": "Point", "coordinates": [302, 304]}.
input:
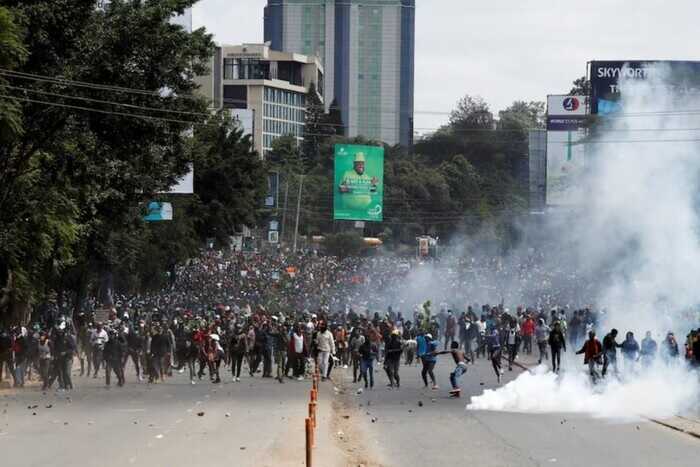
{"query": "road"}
{"type": "Point", "coordinates": [259, 423]}
{"type": "Point", "coordinates": [159, 426]}
{"type": "Point", "coordinates": [394, 430]}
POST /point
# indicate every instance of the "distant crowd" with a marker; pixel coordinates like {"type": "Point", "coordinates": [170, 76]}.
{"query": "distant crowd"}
{"type": "Point", "coordinates": [276, 316]}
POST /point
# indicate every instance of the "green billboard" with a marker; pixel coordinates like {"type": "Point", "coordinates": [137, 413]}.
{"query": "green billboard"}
{"type": "Point", "coordinates": [358, 189]}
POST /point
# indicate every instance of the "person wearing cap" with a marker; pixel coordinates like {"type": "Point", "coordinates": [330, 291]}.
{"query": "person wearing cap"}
{"type": "Point", "coordinates": [392, 360]}
{"type": "Point", "coordinates": [356, 187]}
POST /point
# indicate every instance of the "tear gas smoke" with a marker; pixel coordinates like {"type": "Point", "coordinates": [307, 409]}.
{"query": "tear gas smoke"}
{"type": "Point", "coordinates": [639, 228]}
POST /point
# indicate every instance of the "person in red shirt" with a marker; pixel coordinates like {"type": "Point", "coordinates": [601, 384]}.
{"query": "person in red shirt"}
{"type": "Point", "coordinates": [528, 330]}
{"type": "Point", "coordinates": [592, 350]}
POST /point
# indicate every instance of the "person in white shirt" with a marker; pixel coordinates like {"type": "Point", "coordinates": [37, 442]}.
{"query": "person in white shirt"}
{"type": "Point", "coordinates": [98, 340]}
{"type": "Point", "coordinates": [298, 358]}
{"type": "Point", "coordinates": [326, 347]}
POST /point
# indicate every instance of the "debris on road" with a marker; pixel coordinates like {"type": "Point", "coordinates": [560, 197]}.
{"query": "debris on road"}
{"type": "Point", "coordinates": [200, 414]}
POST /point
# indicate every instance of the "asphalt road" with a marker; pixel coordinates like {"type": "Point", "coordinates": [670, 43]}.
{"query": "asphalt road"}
{"type": "Point", "coordinates": [392, 429]}
{"type": "Point", "coordinates": [158, 425]}
{"type": "Point", "coordinates": [260, 423]}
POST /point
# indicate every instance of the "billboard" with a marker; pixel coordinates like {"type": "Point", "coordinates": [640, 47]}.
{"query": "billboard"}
{"type": "Point", "coordinates": [272, 195]}
{"type": "Point", "coordinates": [158, 211]}
{"type": "Point", "coordinates": [566, 163]}
{"type": "Point", "coordinates": [605, 77]}
{"type": "Point", "coordinates": [358, 188]}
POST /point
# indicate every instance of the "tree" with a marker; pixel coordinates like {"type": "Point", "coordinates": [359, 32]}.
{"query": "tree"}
{"type": "Point", "coordinates": [230, 179]}
{"type": "Point", "coordinates": [522, 115]}
{"type": "Point", "coordinates": [73, 179]}
{"type": "Point", "coordinates": [334, 119]}
{"type": "Point", "coordinates": [343, 244]}
{"type": "Point", "coordinates": [472, 113]}
{"type": "Point", "coordinates": [582, 87]}
{"type": "Point", "coordinates": [316, 128]}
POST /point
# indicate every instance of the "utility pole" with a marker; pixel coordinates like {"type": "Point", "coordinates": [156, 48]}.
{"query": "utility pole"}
{"type": "Point", "coordinates": [296, 227]}
{"type": "Point", "coordinates": [284, 211]}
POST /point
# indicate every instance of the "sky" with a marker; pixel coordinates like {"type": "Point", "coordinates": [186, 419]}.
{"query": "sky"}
{"type": "Point", "coordinates": [506, 50]}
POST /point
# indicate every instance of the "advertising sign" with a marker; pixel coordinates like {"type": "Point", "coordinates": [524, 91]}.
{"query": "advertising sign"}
{"type": "Point", "coordinates": [158, 211]}
{"type": "Point", "coordinates": [273, 182]}
{"type": "Point", "coordinates": [605, 77]}
{"type": "Point", "coordinates": [566, 119]}
{"type": "Point", "coordinates": [358, 189]}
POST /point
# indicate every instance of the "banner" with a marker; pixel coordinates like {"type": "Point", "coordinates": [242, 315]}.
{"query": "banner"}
{"type": "Point", "coordinates": [159, 212]}
{"type": "Point", "coordinates": [566, 163]}
{"type": "Point", "coordinates": [605, 77]}
{"type": "Point", "coordinates": [358, 189]}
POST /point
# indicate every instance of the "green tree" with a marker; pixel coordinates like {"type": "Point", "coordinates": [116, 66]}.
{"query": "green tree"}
{"type": "Point", "coordinates": [316, 128]}
{"type": "Point", "coordinates": [343, 244]}
{"type": "Point", "coordinates": [471, 113]}
{"type": "Point", "coordinates": [230, 179]}
{"type": "Point", "coordinates": [582, 87]}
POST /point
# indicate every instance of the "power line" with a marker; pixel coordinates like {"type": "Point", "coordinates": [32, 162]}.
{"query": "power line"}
{"type": "Point", "coordinates": [103, 87]}
{"type": "Point", "coordinates": [99, 101]}
{"type": "Point", "coordinates": [108, 112]}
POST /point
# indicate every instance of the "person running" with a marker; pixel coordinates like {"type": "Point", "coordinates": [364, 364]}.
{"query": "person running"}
{"type": "Point", "coordinates": [542, 336]}
{"type": "Point", "coordinates": [493, 342]}
{"type": "Point", "coordinates": [237, 350]}
{"type": "Point", "coordinates": [592, 351]}
{"type": "Point", "coordinates": [557, 342]}
{"type": "Point", "coordinates": [630, 351]}
{"type": "Point", "coordinates": [429, 359]}
{"type": "Point", "coordinates": [610, 352]}
{"type": "Point", "coordinates": [461, 361]}
{"type": "Point", "coordinates": [648, 350]}
{"type": "Point", "coordinates": [368, 354]}
{"type": "Point", "coordinates": [326, 347]}
{"type": "Point", "coordinates": [392, 361]}
{"type": "Point", "coordinates": [356, 341]}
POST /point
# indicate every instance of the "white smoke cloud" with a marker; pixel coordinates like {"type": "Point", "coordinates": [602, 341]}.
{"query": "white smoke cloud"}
{"type": "Point", "coordinates": [640, 224]}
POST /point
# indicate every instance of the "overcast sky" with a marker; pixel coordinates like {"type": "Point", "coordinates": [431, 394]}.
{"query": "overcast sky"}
{"type": "Point", "coordinates": [509, 50]}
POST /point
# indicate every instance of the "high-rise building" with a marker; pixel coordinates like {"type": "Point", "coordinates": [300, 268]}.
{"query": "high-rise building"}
{"type": "Point", "coordinates": [367, 49]}
{"type": "Point", "coordinates": [264, 87]}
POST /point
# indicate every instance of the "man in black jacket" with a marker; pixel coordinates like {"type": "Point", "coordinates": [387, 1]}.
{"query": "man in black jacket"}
{"type": "Point", "coordinates": [610, 351]}
{"type": "Point", "coordinates": [115, 349]}
{"type": "Point", "coordinates": [392, 359]}
{"type": "Point", "coordinates": [64, 348]}
{"type": "Point", "coordinates": [557, 342]}
{"type": "Point", "coordinates": [6, 354]}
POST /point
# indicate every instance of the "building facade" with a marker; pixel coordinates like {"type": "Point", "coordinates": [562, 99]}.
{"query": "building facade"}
{"type": "Point", "coordinates": [367, 49]}
{"type": "Point", "coordinates": [271, 85]}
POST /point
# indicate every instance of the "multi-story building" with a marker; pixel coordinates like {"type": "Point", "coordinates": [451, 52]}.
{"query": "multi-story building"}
{"type": "Point", "coordinates": [367, 49]}
{"type": "Point", "coordinates": [272, 85]}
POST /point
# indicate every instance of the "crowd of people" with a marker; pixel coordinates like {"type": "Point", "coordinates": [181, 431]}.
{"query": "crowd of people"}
{"type": "Point", "coordinates": [278, 315]}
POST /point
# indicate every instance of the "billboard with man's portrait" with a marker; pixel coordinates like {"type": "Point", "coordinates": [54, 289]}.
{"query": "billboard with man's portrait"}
{"type": "Point", "coordinates": [358, 189]}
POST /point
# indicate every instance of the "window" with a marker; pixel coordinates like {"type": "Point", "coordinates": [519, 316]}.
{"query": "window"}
{"type": "Point", "coordinates": [230, 69]}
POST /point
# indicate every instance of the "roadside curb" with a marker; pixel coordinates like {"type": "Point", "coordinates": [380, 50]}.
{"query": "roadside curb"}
{"type": "Point", "coordinates": [684, 425]}
{"type": "Point", "coordinates": [680, 424]}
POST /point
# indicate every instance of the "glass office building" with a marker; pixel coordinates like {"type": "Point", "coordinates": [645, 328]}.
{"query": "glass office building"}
{"type": "Point", "coordinates": [367, 49]}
